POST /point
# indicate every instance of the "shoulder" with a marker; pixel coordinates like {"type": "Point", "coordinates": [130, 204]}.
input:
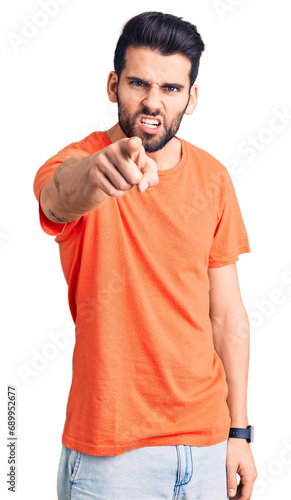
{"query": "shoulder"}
{"type": "Point", "coordinates": [203, 156]}
{"type": "Point", "coordinates": [92, 142]}
{"type": "Point", "coordinates": [208, 166]}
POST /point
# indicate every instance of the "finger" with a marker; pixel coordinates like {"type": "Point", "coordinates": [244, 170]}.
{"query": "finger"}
{"type": "Point", "coordinates": [150, 174]}
{"type": "Point", "coordinates": [238, 493]}
{"type": "Point", "coordinates": [131, 147]}
{"type": "Point", "coordinates": [114, 175]}
{"type": "Point", "coordinates": [231, 481]}
{"type": "Point", "coordinates": [115, 163]}
{"type": "Point", "coordinates": [246, 491]}
{"type": "Point", "coordinates": [105, 185]}
{"type": "Point", "coordinates": [109, 189]}
{"type": "Point", "coordinates": [136, 167]}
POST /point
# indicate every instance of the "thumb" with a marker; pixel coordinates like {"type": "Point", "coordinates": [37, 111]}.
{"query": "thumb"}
{"type": "Point", "coordinates": [231, 482]}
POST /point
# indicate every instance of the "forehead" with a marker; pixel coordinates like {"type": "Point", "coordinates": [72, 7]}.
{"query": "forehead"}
{"type": "Point", "coordinates": [152, 66]}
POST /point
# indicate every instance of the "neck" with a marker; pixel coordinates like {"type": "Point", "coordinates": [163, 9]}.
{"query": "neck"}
{"type": "Point", "coordinates": [165, 158]}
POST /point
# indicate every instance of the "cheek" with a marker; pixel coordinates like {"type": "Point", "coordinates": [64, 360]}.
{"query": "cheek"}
{"type": "Point", "coordinates": [130, 94]}
{"type": "Point", "coordinates": [172, 113]}
{"type": "Point", "coordinates": [131, 101]}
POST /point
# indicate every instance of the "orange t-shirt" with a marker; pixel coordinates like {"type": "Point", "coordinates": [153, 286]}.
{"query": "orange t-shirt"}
{"type": "Point", "coordinates": [145, 372]}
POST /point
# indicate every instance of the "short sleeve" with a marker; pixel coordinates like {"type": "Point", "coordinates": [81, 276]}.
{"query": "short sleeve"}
{"type": "Point", "coordinates": [230, 237]}
{"type": "Point", "coordinates": [46, 172]}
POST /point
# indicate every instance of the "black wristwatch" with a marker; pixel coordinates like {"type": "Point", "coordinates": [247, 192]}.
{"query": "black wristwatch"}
{"type": "Point", "coordinates": [248, 433]}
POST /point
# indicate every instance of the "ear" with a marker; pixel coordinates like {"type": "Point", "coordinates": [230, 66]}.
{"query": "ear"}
{"type": "Point", "coordinates": [192, 100]}
{"type": "Point", "coordinates": [112, 86]}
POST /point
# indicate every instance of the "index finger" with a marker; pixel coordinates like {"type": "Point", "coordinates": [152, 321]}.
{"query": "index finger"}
{"type": "Point", "coordinates": [131, 147]}
{"type": "Point", "coordinates": [246, 491]}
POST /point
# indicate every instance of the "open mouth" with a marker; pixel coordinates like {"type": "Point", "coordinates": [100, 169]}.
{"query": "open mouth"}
{"type": "Point", "coordinates": [150, 125]}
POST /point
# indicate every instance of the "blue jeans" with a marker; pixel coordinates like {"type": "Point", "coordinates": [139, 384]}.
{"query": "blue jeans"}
{"type": "Point", "coordinates": [151, 473]}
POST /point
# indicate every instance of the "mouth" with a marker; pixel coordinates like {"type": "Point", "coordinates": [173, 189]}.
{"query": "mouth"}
{"type": "Point", "coordinates": [150, 125]}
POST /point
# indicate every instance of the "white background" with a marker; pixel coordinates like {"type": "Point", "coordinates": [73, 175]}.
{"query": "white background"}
{"type": "Point", "coordinates": [54, 72]}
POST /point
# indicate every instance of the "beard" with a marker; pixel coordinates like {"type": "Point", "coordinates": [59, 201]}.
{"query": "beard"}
{"type": "Point", "coordinates": [151, 143]}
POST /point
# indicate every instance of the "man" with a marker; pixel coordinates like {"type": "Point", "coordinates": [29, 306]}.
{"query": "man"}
{"type": "Point", "coordinates": [149, 230]}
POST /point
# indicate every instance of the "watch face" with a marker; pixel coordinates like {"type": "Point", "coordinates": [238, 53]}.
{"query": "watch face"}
{"type": "Point", "coordinates": [251, 429]}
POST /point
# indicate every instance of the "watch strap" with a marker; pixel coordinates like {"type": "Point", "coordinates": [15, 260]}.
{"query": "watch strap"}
{"type": "Point", "coordinates": [237, 432]}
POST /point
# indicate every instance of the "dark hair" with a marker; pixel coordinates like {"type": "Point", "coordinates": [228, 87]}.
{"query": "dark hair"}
{"type": "Point", "coordinates": [165, 33]}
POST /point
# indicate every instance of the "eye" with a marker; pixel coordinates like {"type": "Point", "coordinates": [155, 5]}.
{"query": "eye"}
{"type": "Point", "coordinates": [136, 83]}
{"type": "Point", "coordinates": [171, 89]}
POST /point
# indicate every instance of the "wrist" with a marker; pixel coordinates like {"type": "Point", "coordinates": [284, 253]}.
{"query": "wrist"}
{"type": "Point", "coordinates": [239, 419]}
{"type": "Point", "coordinates": [240, 422]}
{"type": "Point", "coordinates": [242, 433]}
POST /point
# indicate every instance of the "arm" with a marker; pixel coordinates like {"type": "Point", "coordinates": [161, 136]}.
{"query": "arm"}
{"type": "Point", "coordinates": [63, 197]}
{"type": "Point", "coordinates": [81, 184]}
{"type": "Point", "coordinates": [231, 336]}
{"type": "Point", "coordinates": [230, 328]}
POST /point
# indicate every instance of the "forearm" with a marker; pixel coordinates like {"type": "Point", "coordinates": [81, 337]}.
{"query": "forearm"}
{"type": "Point", "coordinates": [231, 337]}
{"type": "Point", "coordinates": [81, 184]}
{"type": "Point", "coordinates": [70, 193]}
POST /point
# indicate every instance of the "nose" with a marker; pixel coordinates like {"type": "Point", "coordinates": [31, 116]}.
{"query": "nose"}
{"type": "Point", "coordinates": [152, 98]}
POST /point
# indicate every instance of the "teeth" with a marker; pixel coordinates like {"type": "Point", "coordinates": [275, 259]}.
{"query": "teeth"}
{"type": "Point", "coordinates": [151, 126]}
{"type": "Point", "coordinates": [151, 123]}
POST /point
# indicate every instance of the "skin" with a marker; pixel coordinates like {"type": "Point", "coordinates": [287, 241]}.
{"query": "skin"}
{"type": "Point", "coordinates": [231, 336]}
{"type": "Point", "coordinates": [82, 184]}
{"type": "Point", "coordinates": [157, 94]}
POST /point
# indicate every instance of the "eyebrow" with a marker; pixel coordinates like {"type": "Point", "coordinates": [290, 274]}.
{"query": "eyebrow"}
{"type": "Point", "coordinates": [136, 79]}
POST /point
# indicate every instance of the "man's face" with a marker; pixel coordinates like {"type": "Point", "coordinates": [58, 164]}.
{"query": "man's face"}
{"type": "Point", "coordinates": [152, 96]}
